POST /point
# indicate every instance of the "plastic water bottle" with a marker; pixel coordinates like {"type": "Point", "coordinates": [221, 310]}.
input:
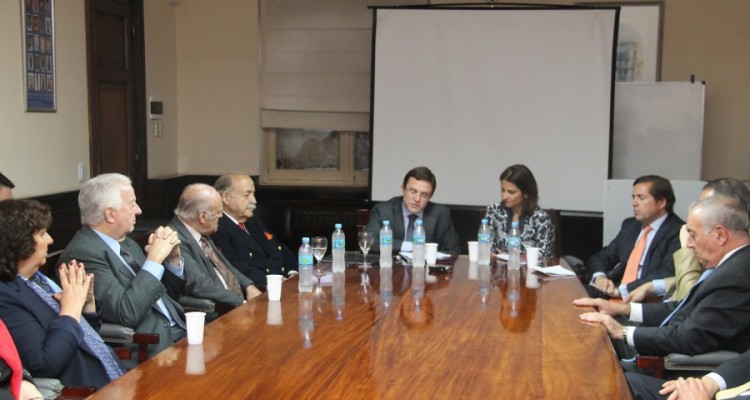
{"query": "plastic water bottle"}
{"type": "Point", "coordinates": [305, 263]}
{"type": "Point", "coordinates": [338, 246]}
{"type": "Point", "coordinates": [514, 247]}
{"type": "Point", "coordinates": [386, 245]}
{"type": "Point", "coordinates": [417, 246]}
{"type": "Point", "coordinates": [483, 237]}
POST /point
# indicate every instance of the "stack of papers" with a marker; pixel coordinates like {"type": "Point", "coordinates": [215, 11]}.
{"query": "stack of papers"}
{"type": "Point", "coordinates": [555, 270]}
{"type": "Point", "coordinates": [440, 256]}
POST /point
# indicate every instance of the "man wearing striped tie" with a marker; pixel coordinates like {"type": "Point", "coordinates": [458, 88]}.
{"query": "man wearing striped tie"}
{"type": "Point", "coordinates": [208, 274]}
{"type": "Point", "coordinates": [714, 315]}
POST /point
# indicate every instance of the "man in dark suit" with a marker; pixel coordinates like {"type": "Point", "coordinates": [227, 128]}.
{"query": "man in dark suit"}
{"type": "Point", "coordinates": [401, 211]}
{"type": "Point", "coordinates": [642, 250]}
{"type": "Point", "coordinates": [730, 374]}
{"type": "Point", "coordinates": [135, 289]}
{"type": "Point", "coordinates": [714, 315]}
{"type": "Point", "coordinates": [244, 240]}
{"type": "Point", "coordinates": [208, 274]}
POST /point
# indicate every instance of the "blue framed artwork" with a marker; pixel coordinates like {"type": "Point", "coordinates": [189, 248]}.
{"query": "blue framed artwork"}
{"type": "Point", "coordinates": [38, 37]}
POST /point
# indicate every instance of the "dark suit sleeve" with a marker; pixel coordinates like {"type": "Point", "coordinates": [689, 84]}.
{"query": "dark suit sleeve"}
{"type": "Point", "coordinates": [607, 258]}
{"type": "Point", "coordinates": [446, 233]}
{"type": "Point", "coordinates": [197, 283]}
{"type": "Point", "coordinates": [718, 319]}
{"type": "Point", "coordinates": [736, 371]}
{"type": "Point", "coordinates": [44, 350]}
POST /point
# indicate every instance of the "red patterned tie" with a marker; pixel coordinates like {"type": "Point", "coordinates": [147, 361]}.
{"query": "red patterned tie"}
{"type": "Point", "coordinates": [231, 281]}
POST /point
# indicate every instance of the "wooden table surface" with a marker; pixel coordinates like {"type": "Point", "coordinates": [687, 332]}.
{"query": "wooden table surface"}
{"type": "Point", "coordinates": [464, 340]}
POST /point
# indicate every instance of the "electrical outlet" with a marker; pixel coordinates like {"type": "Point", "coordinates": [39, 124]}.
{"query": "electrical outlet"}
{"type": "Point", "coordinates": [81, 170]}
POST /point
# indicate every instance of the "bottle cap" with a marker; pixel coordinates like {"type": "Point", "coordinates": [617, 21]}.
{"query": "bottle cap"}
{"type": "Point", "coordinates": [338, 226]}
{"type": "Point", "coordinates": [514, 223]}
{"type": "Point", "coordinates": [305, 240]}
{"type": "Point", "coordinates": [485, 221]}
{"type": "Point", "coordinates": [418, 222]}
{"type": "Point", "coordinates": [386, 222]}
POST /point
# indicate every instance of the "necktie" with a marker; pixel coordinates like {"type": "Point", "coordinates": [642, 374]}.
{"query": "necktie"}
{"type": "Point", "coordinates": [231, 281]}
{"type": "Point", "coordinates": [410, 228]}
{"type": "Point", "coordinates": [242, 226]}
{"type": "Point", "coordinates": [38, 284]}
{"type": "Point", "coordinates": [631, 268]}
{"type": "Point", "coordinates": [129, 260]}
{"type": "Point", "coordinates": [684, 301]}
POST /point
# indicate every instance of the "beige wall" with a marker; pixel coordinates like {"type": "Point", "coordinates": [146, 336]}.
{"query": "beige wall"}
{"type": "Point", "coordinates": [218, 90]}
{"type": "Point", "coordinates": [40, 151]}
{"type": "Point", "coordinates": [202, 61]}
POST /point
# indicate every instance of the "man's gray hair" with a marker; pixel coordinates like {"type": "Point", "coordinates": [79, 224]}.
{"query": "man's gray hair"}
{"type": "Point", "coordinates": [194, 199]}
{"type": "Point", "coordinates": [100, 193]}
{"type": "Point", "coordinates": [723, 210]}
{"type": "Point", "coordinates": [226, 181]}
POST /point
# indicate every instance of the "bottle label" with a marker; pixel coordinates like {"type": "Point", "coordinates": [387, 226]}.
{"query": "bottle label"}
{"type": "Point", "coordinates": [483, 237]}
{"type": "Point", "coordinates": [305, 259]}
{"type": "Point", "coordinates": [339, 244]}
{"type": "Point", "coordinates": [386, 239]}
{"type": "Point", "coordinates": [514, 241]}
{"type": "Point", "coordinates": [418, 239]}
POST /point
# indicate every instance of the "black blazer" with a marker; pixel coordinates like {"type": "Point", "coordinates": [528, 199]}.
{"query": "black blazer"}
{"type": "Point", "coordinates": [715, 317]}
{"type": "Point", "coordinates": [658, 263]}
{"type": "Point", "coordinates": [436, 219]}
{"type": "Point", "coordinates": [256, 254]}
{"type": "Point", "coordinates": [50, 345]}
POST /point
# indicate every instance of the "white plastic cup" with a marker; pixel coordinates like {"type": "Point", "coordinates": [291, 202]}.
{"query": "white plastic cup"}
{"type": "Point", "coordinates": [195, 364]}
{"type": "Point", "coordinates": [473, 271]}
{"type": "Point", "coordinates": [430, 253]}
{"type": "Point", "coordinates": [195, 321]}
{"type": "Point", "coordinates": [532, 256]}
{"type": "Point", "coordinates": [473, 251]}
{"type": "Point", "coordinates": [274, 287]}
{"type": "Point", "coordinates": [274, 316]}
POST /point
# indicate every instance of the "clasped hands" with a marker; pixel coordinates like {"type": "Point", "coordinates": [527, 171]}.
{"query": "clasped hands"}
{"type": "Point", "coordinates": [77, 293]}
{"type": "Point", "coordinates": [163, 244]}
{"type": "Point", "coordinates": [605, 310]}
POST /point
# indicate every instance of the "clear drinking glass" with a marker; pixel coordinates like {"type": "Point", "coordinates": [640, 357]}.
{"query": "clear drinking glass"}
{"type": "Point", "coordinates": [319, 245]}
{"type": "Point", "coordinates": [365, 242]}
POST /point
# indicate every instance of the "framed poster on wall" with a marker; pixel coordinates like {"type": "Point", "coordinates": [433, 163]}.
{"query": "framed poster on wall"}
{"type": "Point", "coordinates": [638, 40]}
{"type": "Point", "coordinates": [38, 38]}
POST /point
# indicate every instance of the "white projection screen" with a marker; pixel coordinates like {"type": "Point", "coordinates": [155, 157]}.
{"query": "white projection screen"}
{"type": "Point", "coordinates": [468, 92]}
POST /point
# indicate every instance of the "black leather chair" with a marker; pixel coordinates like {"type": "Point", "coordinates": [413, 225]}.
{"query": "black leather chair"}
{"type": "Point", "coordinates": [278, 218]}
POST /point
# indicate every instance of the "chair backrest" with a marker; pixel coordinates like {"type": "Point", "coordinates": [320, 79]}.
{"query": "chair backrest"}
{"type": "Point", "coordinates": [277, 217]}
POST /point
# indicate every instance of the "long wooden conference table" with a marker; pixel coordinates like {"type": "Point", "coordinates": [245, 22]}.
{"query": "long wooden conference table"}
{"type": "Point", "coordinates": [471, 336]}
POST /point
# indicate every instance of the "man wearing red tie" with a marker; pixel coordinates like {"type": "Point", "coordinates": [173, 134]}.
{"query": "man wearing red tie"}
{"type": "Point", "coordinates": [642, 250]}
{"type": "Point", "coordinates": [244, 240]}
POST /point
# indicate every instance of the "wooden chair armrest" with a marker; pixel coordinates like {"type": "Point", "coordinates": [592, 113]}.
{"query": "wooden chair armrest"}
{"type": "Point", "coordinates": [143, 340]}
{"type": "Point", "coordinates": [223, 308]}
{"type": "Point", "coordinates": [76, 392]}
{"type": "Point", "coordinates": [651, 363]}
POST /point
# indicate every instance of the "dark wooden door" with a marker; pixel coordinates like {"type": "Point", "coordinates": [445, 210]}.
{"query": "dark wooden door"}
{"type": "Point", "coordinates": [116, 88]}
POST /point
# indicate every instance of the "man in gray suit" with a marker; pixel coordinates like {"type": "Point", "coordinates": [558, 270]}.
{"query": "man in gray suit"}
{"type": "Point", "coordinates": [208, 274]}
{"type": "Point", "coordinates": [134, 288]}
{"type": "Point", "coordinates": [418, 187]}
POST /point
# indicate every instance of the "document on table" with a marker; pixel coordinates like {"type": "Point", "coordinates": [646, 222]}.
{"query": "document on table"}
{"type": "Point", "coordinates": [406, 255]}
{"type": "Point", "coordinates": [555, 270]}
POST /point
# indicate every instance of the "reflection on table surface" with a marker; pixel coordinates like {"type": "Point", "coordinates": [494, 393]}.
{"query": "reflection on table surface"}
{"type": "Point", "coordinates": [478, 332]}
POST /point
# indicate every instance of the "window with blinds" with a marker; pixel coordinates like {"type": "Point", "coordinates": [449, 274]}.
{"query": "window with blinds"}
{"type": "Point", "coordinates": [315, 89]}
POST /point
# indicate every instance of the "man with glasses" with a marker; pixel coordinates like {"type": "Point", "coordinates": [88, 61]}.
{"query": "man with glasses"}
{"type": "Point", "coordinates": [418, 187]}
{"type": "Point", "coordinates": [208, 274]}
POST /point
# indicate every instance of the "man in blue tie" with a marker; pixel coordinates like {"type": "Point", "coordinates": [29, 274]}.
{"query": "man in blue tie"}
{"type": "Point", "coordinates": [402, 211]}
{"type": "Point", "coordinates": [714, 315]}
